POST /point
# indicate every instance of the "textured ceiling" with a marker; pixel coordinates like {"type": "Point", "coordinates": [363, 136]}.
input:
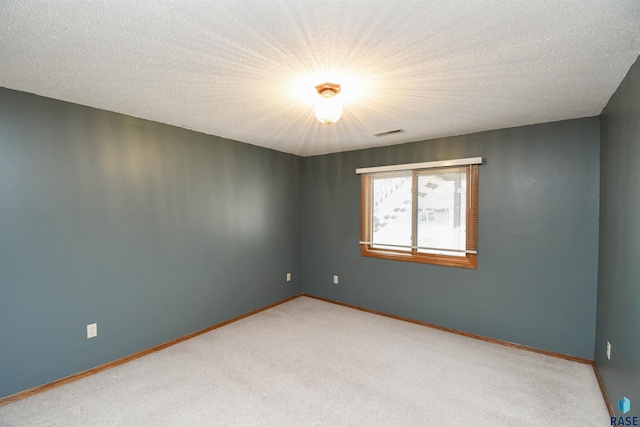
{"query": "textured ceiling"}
{"type": "Point", "coordinates": [246, 70]}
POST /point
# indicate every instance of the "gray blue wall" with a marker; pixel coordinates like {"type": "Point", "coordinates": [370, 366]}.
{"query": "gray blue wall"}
{"type": "Point", "coordinates": [536, 280]}
{"type": "Point", "coordinates": [618, 318]}
{"type": "Point", "coordinates": [149, 230]}
{"type": "Point", "coordinates": [154, 231]}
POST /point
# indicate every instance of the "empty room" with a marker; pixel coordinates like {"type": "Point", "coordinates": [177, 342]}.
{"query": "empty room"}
{"type": "Point", "coordinates": [294, 213]}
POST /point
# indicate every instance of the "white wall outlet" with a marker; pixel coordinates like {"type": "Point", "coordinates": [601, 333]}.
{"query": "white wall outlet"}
{"type": "Point", "coordinates": [288, 277]}
{"type": "Point", "coordinates": [92, 330]}
{"type": "Point", "coordinates": [335, 280]}
{"type": "Point", "coordinates": [608, 350]}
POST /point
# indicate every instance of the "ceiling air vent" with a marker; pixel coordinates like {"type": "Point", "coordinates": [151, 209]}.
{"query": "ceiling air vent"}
{"type": "Point", "coordinates": [389, 132]}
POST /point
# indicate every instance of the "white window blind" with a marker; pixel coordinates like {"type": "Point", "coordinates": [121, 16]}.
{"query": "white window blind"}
{"type": "Point", "coordinates": [423, 165]}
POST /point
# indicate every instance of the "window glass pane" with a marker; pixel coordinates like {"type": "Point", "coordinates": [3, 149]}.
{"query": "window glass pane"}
{"type": "Point", "coordinates": [442, 197]}
{"type": "Point", "coordinates": [391, 213]}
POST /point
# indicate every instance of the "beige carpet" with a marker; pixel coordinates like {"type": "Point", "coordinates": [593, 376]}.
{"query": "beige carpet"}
{"type": "Point", "coordinates": [312, 363]}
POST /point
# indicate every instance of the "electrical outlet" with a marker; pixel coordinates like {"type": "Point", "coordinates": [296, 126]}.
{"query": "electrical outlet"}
{"type": "Point", "coordinates": [335, 280]}
{"type": "Point", "coordinates": [288, 277]}
{"type": "Point", "coordinates": [92, 330]}
{"type": "Point", "coordinates": [608, 350]}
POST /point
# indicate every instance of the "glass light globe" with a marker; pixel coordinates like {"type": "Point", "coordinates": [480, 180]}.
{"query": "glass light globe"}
{"type": "Point", "coordinates": [328, 108]}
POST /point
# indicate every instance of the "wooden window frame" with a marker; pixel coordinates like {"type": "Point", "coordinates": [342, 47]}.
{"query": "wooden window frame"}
{"type": "Point", "coordinates": [470, 260]}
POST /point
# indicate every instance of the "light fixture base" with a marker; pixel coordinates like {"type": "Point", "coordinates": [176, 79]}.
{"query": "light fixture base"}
{"type": "Point", "coordinates": [333, 87]}
{"type": "Point", "coordinates": [328, 107]}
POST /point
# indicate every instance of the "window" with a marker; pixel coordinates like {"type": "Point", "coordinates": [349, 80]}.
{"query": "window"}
{"type": "Point", "coordinates": [424, 212]}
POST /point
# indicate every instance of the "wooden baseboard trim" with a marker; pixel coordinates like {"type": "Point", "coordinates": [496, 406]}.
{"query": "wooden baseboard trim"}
{"type": "Point", "coordinates": [593, 364]}
{"type": "Point", "coordinates": [603, 390]}
{"type": "Point", "coordinates": [487, 339]}
{"type": "Point", "coordinates": [45, 387]}
{"type": "Point", "coordinates": [458, 332]}
{"type": "Point", "coordinates": [40, 389]}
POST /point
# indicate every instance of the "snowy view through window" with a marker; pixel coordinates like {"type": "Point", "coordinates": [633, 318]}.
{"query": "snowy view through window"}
{"type": "Point", "coordinates": [440, 216]}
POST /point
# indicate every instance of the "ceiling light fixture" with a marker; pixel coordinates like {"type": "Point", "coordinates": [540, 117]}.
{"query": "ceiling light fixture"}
{"type": "Point", "coordinates": [328, 107]}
